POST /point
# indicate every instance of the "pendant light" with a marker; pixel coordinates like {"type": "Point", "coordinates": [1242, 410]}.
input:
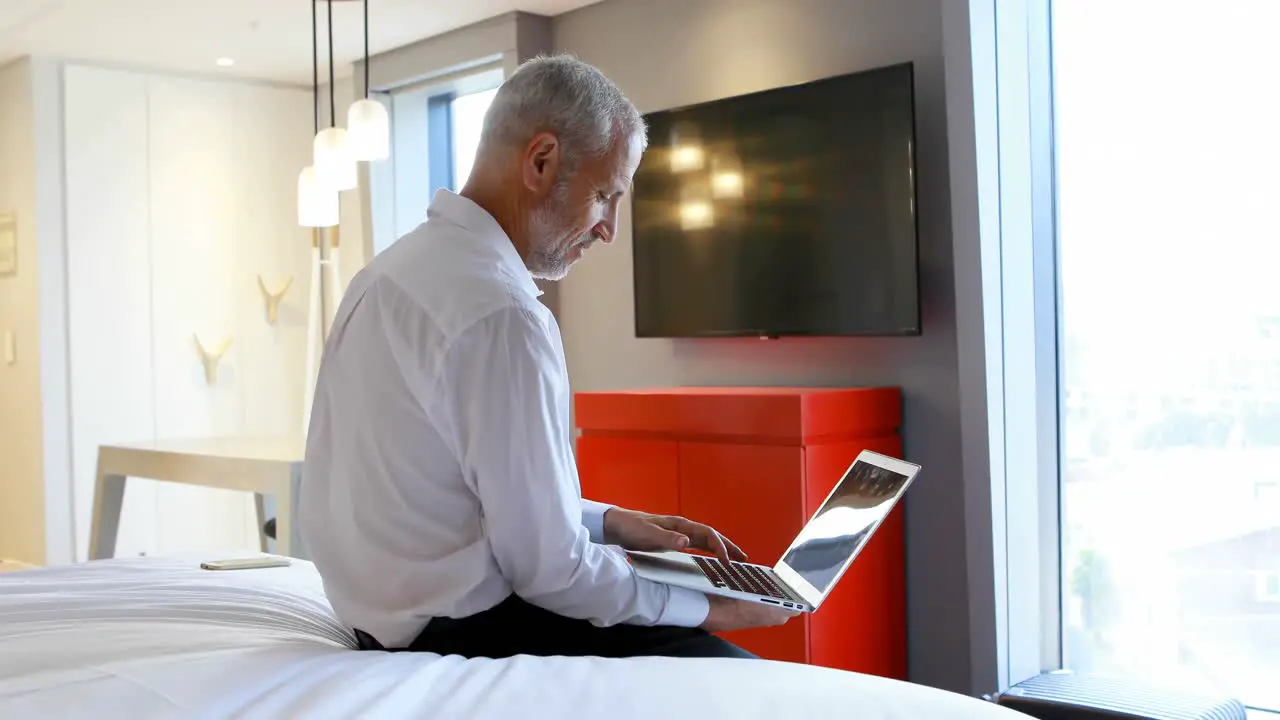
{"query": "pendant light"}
{"type": "Point", "coordinates": [317, 206]}
{"type": "Point", "coordinates": [335, 164]}
{"type": "Point", "coordinates": [368, 127]}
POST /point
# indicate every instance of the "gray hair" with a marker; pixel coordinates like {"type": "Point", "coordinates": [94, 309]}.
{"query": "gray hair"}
{"type": "Point", "coordinates": [566, 97]}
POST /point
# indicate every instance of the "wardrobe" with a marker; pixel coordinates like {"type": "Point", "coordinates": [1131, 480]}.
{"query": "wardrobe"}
{"type": "Point", "coordinates": [180, 197]}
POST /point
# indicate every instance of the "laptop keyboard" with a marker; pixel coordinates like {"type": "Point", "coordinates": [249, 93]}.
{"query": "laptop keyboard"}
{"type": "Point", "coordinates": [740, 577]}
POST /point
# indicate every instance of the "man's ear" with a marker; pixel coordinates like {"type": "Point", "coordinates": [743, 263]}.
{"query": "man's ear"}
{"type": "Point", "coordinates": [541, 163]}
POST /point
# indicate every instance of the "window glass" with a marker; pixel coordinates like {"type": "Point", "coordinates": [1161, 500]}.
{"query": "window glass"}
{"type": "Point", "coordinates": [468, 120]}
{"type": "Point", "coordinates": [1168, 124]}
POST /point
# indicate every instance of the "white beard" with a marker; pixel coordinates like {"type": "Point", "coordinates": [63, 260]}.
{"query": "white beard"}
{"type": "Point", "coordinates": [548, 250]}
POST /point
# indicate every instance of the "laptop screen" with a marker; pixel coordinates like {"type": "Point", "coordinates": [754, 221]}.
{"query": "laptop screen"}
{"type": "Point", "coordinates": [843, 524]}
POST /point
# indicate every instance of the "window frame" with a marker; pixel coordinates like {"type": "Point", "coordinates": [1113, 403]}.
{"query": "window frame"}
{"type": "Point", "coordinates": [441, 168]}
{"type": "Point", "coordinates": [1010, 46]}
{"type": "Point", "coordinates": [1031, 291]}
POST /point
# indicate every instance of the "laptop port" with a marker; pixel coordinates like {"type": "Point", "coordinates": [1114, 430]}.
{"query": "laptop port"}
{"type": "Point", "coordinates": [775, 602]}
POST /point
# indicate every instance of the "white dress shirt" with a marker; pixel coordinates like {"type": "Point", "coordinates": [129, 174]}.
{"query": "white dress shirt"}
{"type": "Point", "coordinates": [439, 473]}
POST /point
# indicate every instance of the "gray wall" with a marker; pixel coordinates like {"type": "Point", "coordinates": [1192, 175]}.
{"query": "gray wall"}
{"type": "Point", "coordinates": [666, 53]}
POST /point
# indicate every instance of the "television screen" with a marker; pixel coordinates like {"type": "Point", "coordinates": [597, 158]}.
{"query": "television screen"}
{"type": "Point", "coordinates": [784, 212]}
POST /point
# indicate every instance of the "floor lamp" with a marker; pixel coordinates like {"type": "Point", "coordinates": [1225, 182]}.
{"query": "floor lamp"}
{"type": "Point", "coordinates": [336, 151]}
{"type": "Point", "coordinates": [317, 310]}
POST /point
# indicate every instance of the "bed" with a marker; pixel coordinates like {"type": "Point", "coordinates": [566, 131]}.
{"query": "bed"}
{"type": "Point", "coordinates": [160, 638]}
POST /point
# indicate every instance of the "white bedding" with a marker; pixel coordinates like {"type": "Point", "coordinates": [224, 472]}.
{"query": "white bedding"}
{"type": "Point", "coordinates": [160, 638]}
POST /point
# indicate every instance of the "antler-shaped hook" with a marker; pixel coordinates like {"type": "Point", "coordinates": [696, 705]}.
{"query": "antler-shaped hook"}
{"type": "Point", "coordinates": [273, 298]}
{"type": "Point", "coordinates": [209, 358]}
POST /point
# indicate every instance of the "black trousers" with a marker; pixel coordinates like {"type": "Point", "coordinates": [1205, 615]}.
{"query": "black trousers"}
{"type": "Point", "coordinates": [515, 627]}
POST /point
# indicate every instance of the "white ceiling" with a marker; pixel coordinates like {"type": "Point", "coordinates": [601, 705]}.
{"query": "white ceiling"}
{"type": "Point", "coordinates": [267, 39]}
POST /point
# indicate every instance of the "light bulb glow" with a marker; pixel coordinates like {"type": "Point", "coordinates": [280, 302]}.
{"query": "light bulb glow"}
{"type": "Point", "coordinates": [317, 207]}
{"type": "Point", "coordinates": [685, 158]}
{"type": "Point", "coordinates": [696, 215]}
{"type": "Point", "coordinates": [727, 184]}
{"type": "Point", "coordinates": [334, 163]}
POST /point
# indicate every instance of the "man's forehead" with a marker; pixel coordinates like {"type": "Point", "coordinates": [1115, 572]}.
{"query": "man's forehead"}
{"type": "Point", "coordinates": [615, 172]}
{"type": "Point", "coordinates": [622, 181]}
{"type": "Point", "coordinates": [628, 161]}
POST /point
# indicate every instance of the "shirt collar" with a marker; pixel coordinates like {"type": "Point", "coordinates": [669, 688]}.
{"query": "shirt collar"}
{"type": "Point", "coordinates": [464, 213]}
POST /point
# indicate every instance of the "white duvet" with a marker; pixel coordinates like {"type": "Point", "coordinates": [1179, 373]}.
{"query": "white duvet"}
{"type": "Point", "coordinates": [160, 638]}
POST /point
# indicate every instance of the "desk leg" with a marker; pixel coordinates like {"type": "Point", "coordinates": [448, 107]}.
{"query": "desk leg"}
{"type": "Point", "coordinates": [288, 535]}
{"type": "Point", "coordinates": [108, 498]}
{"type": "Point", "coordinates": [295, 538]}
{"type": "Point", "coordinates": [266, 507]}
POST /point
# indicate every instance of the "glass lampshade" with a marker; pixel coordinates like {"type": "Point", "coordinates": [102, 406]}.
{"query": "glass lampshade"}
{"type": "Point", "coordinates": [317, 207]}
{"type": "Point", "coordinates": [368, 130]}
{"type": "Point", "coordinates": [334, 162]}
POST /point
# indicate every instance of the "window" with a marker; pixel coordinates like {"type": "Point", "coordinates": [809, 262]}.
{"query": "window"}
{"type": "Point", "coordinates": [435, 128]}
{"type": "Point", "coordinates": [1169, 350]}
{"type": "Point", "coordinates": [454, 124]}
{"type": "Point", "coordinates": [468, 119]}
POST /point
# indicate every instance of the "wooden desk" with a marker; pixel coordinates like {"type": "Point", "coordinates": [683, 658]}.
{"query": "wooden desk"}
{"type": "Point", "coordinates": [271, 468]}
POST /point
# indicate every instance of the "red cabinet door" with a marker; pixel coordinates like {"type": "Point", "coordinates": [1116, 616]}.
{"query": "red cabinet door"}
{"type": "Point", "coordinates": [634, 473]}
{"type": "Point", "coordinates": [752, 494]}
{"type": "Point", "coordinates": [861, 626]}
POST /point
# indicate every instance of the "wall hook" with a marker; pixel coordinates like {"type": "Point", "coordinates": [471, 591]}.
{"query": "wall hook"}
{"type": "Point", "coordinates": [273, 298]}
{"type": "Point", "coordinates": [209, 358]}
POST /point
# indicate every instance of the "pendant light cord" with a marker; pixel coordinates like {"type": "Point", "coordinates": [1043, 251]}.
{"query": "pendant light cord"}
{"type": "Point", "coordinates": [315, 69]}
{"type": "Point", "coordinates": [333, 113]}
{"type": "Point", "coordinates": [366, 49]}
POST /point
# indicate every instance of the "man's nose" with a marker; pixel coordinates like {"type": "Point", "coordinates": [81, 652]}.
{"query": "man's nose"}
{"type": "Point", "coordinates": [609, 225]}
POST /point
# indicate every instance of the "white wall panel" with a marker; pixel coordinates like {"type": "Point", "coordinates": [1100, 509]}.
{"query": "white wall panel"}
{"type": "Point", "coordinates": [194, 224]}
{"type": "Point", "coordinates": [272, 129]}
{"type": "Point", "coordinates": [109, 288]}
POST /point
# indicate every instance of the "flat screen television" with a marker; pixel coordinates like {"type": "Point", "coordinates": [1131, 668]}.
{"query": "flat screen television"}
{"type": "Point", "coordinates": [787, 212]}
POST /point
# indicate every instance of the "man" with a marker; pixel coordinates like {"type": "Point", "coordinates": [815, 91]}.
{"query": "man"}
{"type": "Point", "coordinates": [441, 503]}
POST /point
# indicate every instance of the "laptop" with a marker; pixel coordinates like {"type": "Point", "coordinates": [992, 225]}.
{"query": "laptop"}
{"type": "Point", "coordinates": [816, 559]}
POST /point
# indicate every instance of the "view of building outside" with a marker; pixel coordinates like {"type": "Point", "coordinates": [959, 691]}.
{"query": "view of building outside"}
{"type": "Point", "coordinates": [1168, 123]}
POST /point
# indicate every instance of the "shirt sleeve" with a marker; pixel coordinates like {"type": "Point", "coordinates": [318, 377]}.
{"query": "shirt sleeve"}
{"type": "Point", "coordinates": [506, 392]}
{"type": "Point", "coordinates": [593, 519]}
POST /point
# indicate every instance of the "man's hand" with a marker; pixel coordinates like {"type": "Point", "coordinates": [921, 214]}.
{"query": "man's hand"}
{"type": "Point", "coordinates": [728, 614]}
{"type": "Point", "coordinates": [642, 531]}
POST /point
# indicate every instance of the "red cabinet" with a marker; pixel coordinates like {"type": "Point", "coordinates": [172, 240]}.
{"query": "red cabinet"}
{"type": "Point", "coordinates": [636, 473]}
{"type": "Point", "coordinates": [725, 485]}
{"type": "Point", "coordinates": [755, 463]}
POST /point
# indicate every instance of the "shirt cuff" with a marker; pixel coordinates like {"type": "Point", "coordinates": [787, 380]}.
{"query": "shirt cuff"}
{"type": "Point", "coordinates": [685, 608]}
{"type": "Point", "coordinates": [593, 519]}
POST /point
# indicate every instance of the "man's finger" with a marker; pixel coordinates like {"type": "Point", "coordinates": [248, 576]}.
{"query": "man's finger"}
{"type": "Point", "coordinates": [672, 540]}
{"type": "Point", "coordinates": [716, 545]}
{"type": "Point", "coordinates": [703, 537]}
{"type": "Point", "coordinates": [713, 541]}
{"type": "Point", "coordinates": [735, 552]}
{"type": "Point", "coordinates": [710, 540]}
